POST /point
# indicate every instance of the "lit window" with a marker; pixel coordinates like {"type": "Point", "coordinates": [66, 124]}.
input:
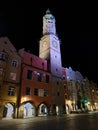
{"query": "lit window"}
{"type": "Point", "coordinates": [14, 63]}
{"type": "Point", "coordinates": [41, 92]}
{"type": "Point", "coordinates": [11, 91]}
{"type": "Point", "coordinates": [3, 57]}
{"type": "Point", "coordinates": [12, 76]}
{"type": "Point", "coordinates": [39, 77]}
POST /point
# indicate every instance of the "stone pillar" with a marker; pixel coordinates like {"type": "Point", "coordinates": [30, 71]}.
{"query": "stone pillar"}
{"type": "Point", "coordinates": [1, 111]}
{"type": "Point", "coordinates": [36, 111]}
{"type": "Point", "coordinates": [21, 112]}
{"type": "Point", "coordinates": [52, 110]}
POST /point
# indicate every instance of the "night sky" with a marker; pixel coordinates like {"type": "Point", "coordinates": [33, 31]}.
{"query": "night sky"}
{"type": "Point", "coordinates": [76, 25]}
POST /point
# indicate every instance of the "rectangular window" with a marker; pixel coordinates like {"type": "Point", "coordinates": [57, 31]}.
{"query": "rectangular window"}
{"type": "Point", "coordinates": [11, 91]}
{"type": "Point", "coordinates": [35, 91]}
{"type": "Point", "coordinates": [29, 74]}
{"type": "Point", "coordinates": [47, 78]}
{"type": "Point", "coordinates": [39, 77]}
{"type": "Point", "coordinates": [45, 93]}
{"type": "Point", "coordinates": [3, 57]}
{"type": "Point", "coordinates": [14, 63]}
{"type": "Point", "coordinates": [41, 92]}
{"type": "Point", "coordinates": [12, 76]}
{"type": "Point", "coordinates": [27, 91]}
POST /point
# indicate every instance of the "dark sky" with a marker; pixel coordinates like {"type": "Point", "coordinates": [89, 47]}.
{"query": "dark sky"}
{"type": "Point", "coordinates": [76, 25]}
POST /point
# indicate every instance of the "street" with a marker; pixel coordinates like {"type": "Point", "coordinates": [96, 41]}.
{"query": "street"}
{"type": "Point", "coordinates": [67, 122]}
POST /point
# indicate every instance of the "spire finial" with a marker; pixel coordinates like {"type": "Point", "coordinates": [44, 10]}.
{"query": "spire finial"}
{"type": "Point", "coordinates": [48, 11]}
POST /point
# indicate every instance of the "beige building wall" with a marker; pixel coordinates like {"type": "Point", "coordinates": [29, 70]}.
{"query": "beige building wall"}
{"type": "Point", "coordinates": [10, 68]}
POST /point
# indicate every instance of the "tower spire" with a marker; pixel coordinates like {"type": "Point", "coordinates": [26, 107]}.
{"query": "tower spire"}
{"type": "Point", "coordinates": [48, 11]}
{"type": "Point", "coordinates": [49, 23]}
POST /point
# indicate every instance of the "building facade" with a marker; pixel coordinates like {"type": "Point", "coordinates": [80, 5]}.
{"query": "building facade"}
{"type": "Point", "coordinates": [50, 50]}
{"type": "Point", "coordinates": [83, 94]}
{"type": "Point", "coordinates": [35, 91]}
{"type": "Point", "coordinates": [10, 68]}
{"type": "Point", "coordinates": [39, 85]}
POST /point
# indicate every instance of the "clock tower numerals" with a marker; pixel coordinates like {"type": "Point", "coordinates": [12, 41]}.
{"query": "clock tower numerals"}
{"type": "Point", "coordinates": [54, 44]}
{"type": "Point", "coordinates": [44, 44]}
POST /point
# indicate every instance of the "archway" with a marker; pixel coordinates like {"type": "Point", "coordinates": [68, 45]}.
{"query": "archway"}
{"type": "Point", "coordinates": [42, 110]}
{"type": "Point", "coordinates": [29, 110]}
{"type": "Point", "coordinates": [8, 111]}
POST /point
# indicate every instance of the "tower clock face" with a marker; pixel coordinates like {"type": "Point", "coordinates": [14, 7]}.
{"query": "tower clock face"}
{"type": "Point", "coordinates": [44, 43]}
{"type": "Point", "coordinates": [55, 44]}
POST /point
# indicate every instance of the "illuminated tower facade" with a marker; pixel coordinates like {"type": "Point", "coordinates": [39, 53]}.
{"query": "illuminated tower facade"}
{"type": "Point", "coordinates": [50, 50]}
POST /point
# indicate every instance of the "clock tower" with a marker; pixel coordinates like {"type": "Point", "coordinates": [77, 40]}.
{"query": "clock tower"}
{"type": "Point", "coordinates": [49, 49]}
